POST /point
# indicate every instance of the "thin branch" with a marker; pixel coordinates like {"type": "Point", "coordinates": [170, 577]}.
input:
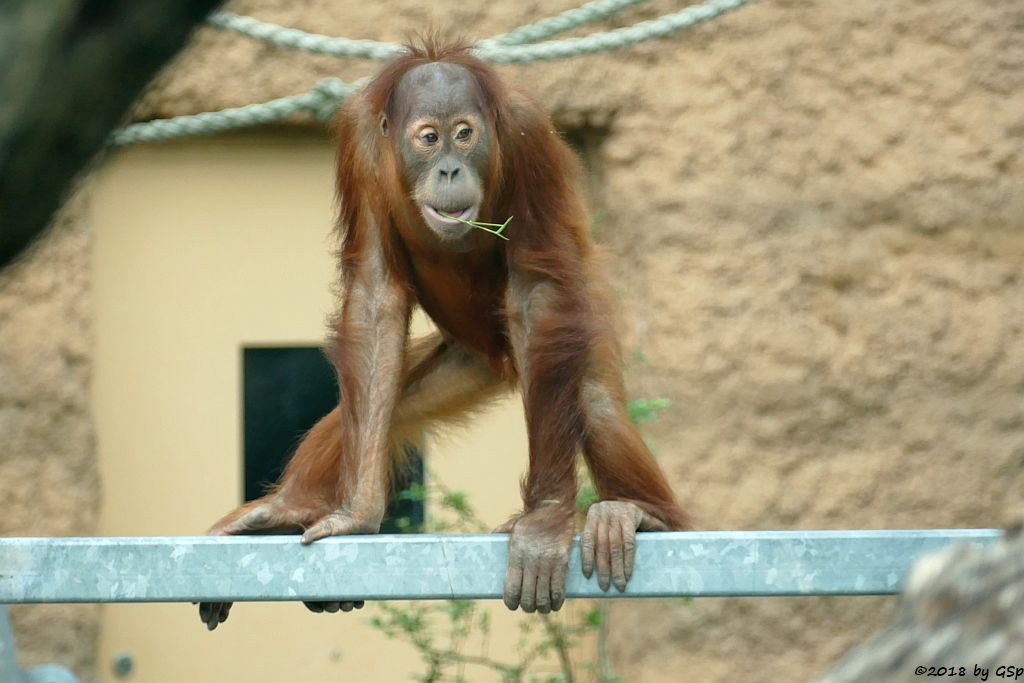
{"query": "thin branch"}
{"type": "Point", "coordinates": [604, 667]}
{"type": "Point", "coordinates": [486, 227]}
{"type": "Point", "coordinates": [559, 641]}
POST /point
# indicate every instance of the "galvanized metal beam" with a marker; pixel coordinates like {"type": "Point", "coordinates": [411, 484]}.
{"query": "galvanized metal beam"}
{"type": "Point", "coordinates": [426, 567]}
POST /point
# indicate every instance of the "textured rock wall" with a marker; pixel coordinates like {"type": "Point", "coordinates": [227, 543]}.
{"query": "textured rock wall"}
{"type": "Point", "coordinates": [815, 217]}
{"type": "Point", "coordinates": [48, 477]}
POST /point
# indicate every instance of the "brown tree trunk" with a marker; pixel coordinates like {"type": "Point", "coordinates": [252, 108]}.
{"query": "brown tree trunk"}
{"type": "Point", "coordinates": [69, 70]}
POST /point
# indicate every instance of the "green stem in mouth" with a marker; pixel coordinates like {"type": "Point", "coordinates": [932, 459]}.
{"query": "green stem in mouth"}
{"type": "Point", "coordinates": [486, 227]}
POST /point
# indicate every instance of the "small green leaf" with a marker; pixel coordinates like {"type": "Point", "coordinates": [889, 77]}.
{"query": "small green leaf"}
{"type": "Point", "coordinates": [457, 501]}
{"type": "Point", "coordinates": [415, 492]}
{"type": "Point", "coordinates": [457, 609]}
{"type": "Point", "coordinates": [586, 497]}
{"type": "Point", "coordinates": [646, 409]}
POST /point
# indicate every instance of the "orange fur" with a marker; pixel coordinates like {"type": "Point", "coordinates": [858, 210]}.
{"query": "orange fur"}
{"type": "Point", "coordinates": [528, 310]}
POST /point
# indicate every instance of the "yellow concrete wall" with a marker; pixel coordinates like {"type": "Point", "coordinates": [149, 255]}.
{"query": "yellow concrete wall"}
{"type": "Point", "coordinates": [202, 247]}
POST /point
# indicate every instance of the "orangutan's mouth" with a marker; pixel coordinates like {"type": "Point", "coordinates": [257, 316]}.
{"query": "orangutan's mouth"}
{"type": "Point", "coordinates": [450, 216]}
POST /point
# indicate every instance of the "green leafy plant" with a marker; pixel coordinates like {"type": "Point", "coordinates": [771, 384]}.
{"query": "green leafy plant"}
{"type": "Point", "coordinates": [451, 636]}
{"type": "Point", "coordinates": [442, 632]}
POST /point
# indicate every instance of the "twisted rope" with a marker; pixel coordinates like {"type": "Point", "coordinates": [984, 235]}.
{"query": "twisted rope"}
{"type": "Point", "coordinates": [590, 13]}
{"type": "Point", "coordinates": [322, 101]}
{"type": "Point", "coordinates": [325, 98]}
{"type": "Point", "coordinates": [504, 49]}
{"type": "Point", "coordinates": [610, 40]}
{"type": "Point", "coordinates": [295, 39]}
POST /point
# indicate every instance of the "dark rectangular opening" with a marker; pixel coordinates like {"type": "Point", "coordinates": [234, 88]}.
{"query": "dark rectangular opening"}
{"type": "Point", "coordinates": [285, 391]}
